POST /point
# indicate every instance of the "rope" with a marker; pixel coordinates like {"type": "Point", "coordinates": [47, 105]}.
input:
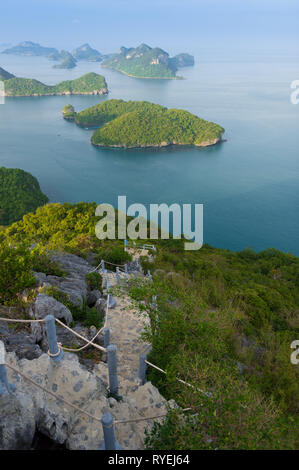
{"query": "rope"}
{"type": "Point", "coordinates": [15, 320]}
{"type": "Point", "coordinates": [53, 394]}
{"type": "Point", "coordinates": [179, 380]}
{"type": "Point", "coordinates": [80, 336]}
{"type": "Point", "coordinates": [75, 407]}
{"type": "Point", "coordinates": [59, 346]}
{"type": "Point", "coordinates": [124, 421]}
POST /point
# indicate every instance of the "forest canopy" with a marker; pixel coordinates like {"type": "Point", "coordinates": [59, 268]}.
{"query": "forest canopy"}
{"type": "Point", "coordinates": [19, 194]}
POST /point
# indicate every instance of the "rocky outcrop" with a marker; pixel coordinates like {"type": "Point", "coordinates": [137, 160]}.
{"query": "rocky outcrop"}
{"type": "Point", "coordinates": [45, 305]}
{"type": "Point", "coordinates": [29, 408]}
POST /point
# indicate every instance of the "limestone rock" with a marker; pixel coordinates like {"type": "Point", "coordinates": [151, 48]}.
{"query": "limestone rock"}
{"type": "Point", "coordinates": [46, 305]}
{"type": "Point", "coordinates": [17, 424]}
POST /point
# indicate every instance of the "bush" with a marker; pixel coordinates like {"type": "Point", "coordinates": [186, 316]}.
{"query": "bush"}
{"type": "Point", "coordinates": [113, 254]}
{"type": "Point", "coordinates": [94, 281]}
{"type": "Point", "coordinates": [15, 272]}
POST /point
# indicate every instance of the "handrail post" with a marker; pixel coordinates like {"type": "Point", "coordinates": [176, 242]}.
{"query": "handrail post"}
{"type": "Point", "coordinates": [106, 337]}
{"type": "Point", "coordinates": [55, 352]}
{"type": "Point", "coordinates": [5, 386]}
{"type": "Point", "coordinates": [112, 369]}
{"type": "Point", "coordinates": [108, 430]}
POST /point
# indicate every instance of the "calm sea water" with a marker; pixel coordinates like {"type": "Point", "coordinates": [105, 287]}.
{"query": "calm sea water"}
{"type": "Point", "coordinates": [248, 185]}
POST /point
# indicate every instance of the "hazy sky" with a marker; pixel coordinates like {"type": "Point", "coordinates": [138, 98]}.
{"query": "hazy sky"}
{"type": "Point", "coordinates": [172, 24]}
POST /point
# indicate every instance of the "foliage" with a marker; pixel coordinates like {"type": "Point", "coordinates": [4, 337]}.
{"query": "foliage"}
{"type": "Point", "coordinates": [94, 281]}
{"type": "Point", "coordinates": [140, 123]}
{"type": "Point", "coordinates": [19, 194]}
{"type": "Point", "coordinates": [224, 323]}
{"type": "Point", "coordinates": [64, 227]}
{"type": "Point", "coordinates": [85, 315]}
{"type": "Point", "coordinates": [142, 62]}
{"type": "Point", "coordinates": [28, 86]}
{"type": "Point", "coordinates": [113, 254]}
{"type": "Point", "coordinates": [15, 272]}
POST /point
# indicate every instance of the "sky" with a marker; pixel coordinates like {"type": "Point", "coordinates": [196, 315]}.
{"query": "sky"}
{"type": "Point", "coordinates": [174, 25]}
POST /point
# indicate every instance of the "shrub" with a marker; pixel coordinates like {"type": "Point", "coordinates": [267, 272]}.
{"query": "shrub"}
{"type": "Point", "coordinates": [94, 281]}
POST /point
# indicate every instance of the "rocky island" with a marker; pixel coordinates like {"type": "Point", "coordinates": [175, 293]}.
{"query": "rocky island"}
{"type": "Point", "coordinates": [147, 62]}
{"type": "Point", "coordinates": [140, 124]}
{"type": "Point", "coordinates": [89, 84]}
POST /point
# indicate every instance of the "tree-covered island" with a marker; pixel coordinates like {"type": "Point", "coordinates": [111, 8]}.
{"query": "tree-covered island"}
{"type": "Point", "coordinates": [89, 84]}
{"type": "Point", "coordinates": [133, 124]}
{"type": "Point", "coordinates": [147, 62]}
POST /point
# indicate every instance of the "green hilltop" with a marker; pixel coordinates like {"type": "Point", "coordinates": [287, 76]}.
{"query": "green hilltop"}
{"type": "Point", "coordinates": [143, 124]}
{"type": "Point", "coordinates": [146, 62]}
{"type": "Point", "coordinates": [223, 322]}
{"type": "Point", "coordinates": [90, 83]}
{"type": "Point", "coordinates": [19, 194]}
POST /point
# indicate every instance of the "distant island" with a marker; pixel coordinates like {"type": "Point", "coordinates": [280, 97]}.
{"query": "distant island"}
{"type": "Point", "coordinates": [147, 62]}
{"type": "Point", "coordinates": [89, 84]}
{"type": "Point", "coordinates": [140, 124]}
{"type": "Point", "coordinates": [67, 59]}
{"type": "Point", "coordinates": [85, 52]}
{"type": "Point", "coordinates": [28, 48]}
{"type": "Point", "coordinates": [19, 194]}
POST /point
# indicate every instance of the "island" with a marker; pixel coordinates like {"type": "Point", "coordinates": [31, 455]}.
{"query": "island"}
{"type": "Point", "coordinates": [29, 48]}
{"type": "Point", "coordinates": [85, 52]}
{"type": "Point", "coordinates": [141, 124]}
{"type": "Point", "coordinates": [19, 194]}
{"type": "Point", "coordinates": [89, 84]}
{"type": "Point", "coordinates": [67, 62]}
{"type": "Point", "coordinates": [147, 62]}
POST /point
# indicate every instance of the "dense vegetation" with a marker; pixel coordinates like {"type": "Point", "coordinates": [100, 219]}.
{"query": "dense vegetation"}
{"type": "Point", "coordinates": [88, 83]}
{"type": "Point", "coordinates": [145, 62]}
{"type": "Point", "coordinates": [19, 194]}
{"type": "Point", "coordinates": [140, 123]}
{"type": "Point", "coordinates": [224, 322]}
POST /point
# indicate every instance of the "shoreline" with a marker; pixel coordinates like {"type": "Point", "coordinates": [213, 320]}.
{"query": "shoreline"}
{"type": "Point", "coordinates": [159, 146]}
{"type": "Point", "coordinates": [102, 91]}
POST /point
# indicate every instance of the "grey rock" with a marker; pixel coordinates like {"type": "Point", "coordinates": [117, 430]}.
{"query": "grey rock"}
{"type": "Point", "coordinates": [23, 345]}
{"type": "Point", "coordinates": [17, 424]}
{"type": "Point", "coordinates": [46, 305]}
{"type": "Point", "coordinates": [41, 278]}
{"type": "Point", "coordinates": [92, 297]}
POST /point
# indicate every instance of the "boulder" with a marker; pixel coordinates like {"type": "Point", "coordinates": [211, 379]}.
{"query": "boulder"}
{"type": "Point", "coordinates": [46, 305]}
{"type": "Point", "coordinates": [92, 297]}
{"type": "Point", "coordinates": [23, 345]}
